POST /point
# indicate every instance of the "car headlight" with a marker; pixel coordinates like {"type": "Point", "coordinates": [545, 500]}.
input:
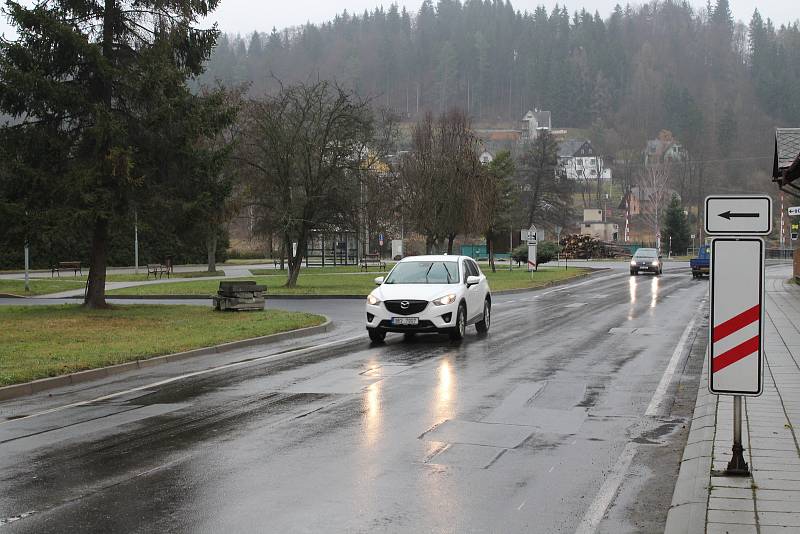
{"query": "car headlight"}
{"type": "Point", "coordinates": [633, 262]}
{"type": "Point", "coordinates": [447, 299]}
{"type": "Point", "coordinates": [655, 262]}
{"type": "Point", "coordinates": [373, 300]}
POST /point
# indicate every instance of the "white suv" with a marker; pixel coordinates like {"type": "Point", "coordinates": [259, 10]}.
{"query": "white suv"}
{"type": "Point", "coordinates": [430, 294]}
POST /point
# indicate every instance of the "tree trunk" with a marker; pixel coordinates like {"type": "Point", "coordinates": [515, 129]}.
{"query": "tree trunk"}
{"type": "Point", "coordinates": [96, 290]}
{"type": "Point", "coordinates": [295, 261]}
{"type": "Point", "coordinates": [450, 239]}
{"type": "Point", "coordinates": [211, 248]}
{"type": "Point", "coordinates": [428, 244]}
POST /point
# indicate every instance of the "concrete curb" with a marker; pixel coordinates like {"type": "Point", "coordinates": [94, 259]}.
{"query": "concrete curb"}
{"type": "Point", "coordinates": [687, 513]}
{"type": "Point", "coordinates": [36, 386]}
{"type": "Point", "coordinates": [11, 296]}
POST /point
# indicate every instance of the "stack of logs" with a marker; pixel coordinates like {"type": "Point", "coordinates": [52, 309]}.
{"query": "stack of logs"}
{"type": "Point", "coordinates": [582, 246]}
{"type": "Point", "coordinates": [240, 296]}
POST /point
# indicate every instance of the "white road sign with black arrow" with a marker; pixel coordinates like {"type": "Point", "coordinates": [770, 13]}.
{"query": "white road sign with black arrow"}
{"type": "Point", "coordinates": [739, 215]}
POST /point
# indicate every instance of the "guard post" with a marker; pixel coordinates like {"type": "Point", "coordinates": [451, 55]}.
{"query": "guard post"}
{"type": "Point", "coordinates": [736, 331]}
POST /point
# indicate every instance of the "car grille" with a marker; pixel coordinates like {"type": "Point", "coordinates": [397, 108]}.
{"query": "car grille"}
{"type": "Point", "coordinates": [411, 306]}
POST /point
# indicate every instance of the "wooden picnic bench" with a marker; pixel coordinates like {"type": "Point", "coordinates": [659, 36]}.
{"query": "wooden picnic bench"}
{"type": "Point", "coordinates": [370, 260]}
{"type": "Point", "coordinates": [74, 266]}
{"type": "Point", "coordinates": [158, 270]}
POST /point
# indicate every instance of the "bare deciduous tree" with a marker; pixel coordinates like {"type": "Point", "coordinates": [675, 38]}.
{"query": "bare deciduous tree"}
{"type": "Point", "coordinates": [440, 179]}
{"type": "Point", "coordinates": [305, 147]}
{"type": "Point", "coordinates": [655, 190]}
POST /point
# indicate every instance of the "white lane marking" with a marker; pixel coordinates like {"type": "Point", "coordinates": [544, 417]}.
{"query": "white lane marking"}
{"type": "Point", "coordinates": [551, 469]}
{"type": "Point", "coordinates": [666, 378]}
{"type": "Point", "coordinates": [597, 510]}
{"type": "Point", "coordinates": [185, 376]}
{"type": "Point", "coordinates": [608, 491]}
{"type": "Point", "coordinates": [521, 505]}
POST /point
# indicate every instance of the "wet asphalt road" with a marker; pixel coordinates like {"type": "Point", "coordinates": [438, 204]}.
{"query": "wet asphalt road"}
{"type": "Point", "coordinates": [560, 420]}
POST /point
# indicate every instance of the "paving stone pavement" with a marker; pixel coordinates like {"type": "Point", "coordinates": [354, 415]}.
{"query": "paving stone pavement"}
{"type": "Point", "coordinates": [768, 501]}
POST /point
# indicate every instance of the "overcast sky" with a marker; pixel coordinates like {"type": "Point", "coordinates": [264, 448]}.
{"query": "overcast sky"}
{"type": "Point", "coordinates": [244, 16]}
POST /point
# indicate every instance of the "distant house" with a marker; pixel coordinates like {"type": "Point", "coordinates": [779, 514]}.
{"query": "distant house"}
{"type": "Point", "coordinates": [595, 226]}
{"type": "Point", "coordinates": [533, 122]}
{"type": "Point", "coordinates": [577, 160]}
{"type": "Point", "coordinates": [663, 149]}
{"type": "Point", "coordinates": [485, 157]}
{"type": "Point", "coordinates": [639, 197]}
{"type": "Point", "coordinates": [786, 165]}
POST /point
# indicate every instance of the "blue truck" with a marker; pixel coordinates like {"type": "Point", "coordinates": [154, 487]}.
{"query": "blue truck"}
{"type": "Point", "coordinates": [702, 263]}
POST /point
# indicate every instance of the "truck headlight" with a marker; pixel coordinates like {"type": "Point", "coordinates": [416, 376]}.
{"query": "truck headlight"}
{"type": "Point", "coordinates": [445, 300]}
{"type": "Point", "coordinates": [373, 300]}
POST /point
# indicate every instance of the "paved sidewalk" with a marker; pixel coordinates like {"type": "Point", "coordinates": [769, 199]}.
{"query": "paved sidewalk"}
{"type": "Point", "coordinates": [769, 500]}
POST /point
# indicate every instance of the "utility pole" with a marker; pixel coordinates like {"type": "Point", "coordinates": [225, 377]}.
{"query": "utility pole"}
{"type": "Point", "coordinates": [27, 257]}
{"type": "Point", "coordinates": [136, 241]}
{"type": "Point", "coordinates": [510, 246]}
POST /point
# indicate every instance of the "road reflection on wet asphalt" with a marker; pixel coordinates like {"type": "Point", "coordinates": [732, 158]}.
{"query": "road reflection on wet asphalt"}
{"type": "Point", "coordinates": [515, 431]}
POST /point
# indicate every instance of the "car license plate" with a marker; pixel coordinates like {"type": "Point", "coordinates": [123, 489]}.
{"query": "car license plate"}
{"type": "Point", "coordinates": [405, 321]}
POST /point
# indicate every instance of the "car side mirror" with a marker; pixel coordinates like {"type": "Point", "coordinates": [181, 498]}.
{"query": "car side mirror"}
{"type": "Point", "coordinates": [378, 280]}
{"type": "Point", "coordinates": [473, 280]}
{"type": "Point", "coordinates": [661, 257]}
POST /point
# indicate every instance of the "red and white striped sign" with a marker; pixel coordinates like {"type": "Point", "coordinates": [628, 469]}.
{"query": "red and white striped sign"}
{"type": "Point", "coordinates": [737, 310]}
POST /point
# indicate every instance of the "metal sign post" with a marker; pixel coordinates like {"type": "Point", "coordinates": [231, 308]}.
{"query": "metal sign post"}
{"type": "Point", "coordinates": [736, 332]}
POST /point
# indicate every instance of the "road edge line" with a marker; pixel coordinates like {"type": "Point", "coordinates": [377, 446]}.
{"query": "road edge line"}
{"type": "Point", "coordinates": [15, 391]}
{"type": "Point", "coordinates": [687, 512]}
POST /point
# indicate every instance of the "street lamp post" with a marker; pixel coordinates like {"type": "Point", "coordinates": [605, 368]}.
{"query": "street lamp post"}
{"type": "Point", "coordinates": [27, 267]}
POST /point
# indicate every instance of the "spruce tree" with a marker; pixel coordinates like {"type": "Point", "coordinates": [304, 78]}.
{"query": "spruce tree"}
{"type": "Point", "coordinates": [99, 90]}
{"type": "Point", "coordinates": [676, 227]}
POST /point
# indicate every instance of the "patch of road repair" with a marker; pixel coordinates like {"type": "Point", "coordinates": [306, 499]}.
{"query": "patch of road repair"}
{"type": "Point", "coordinates": [646, 427]}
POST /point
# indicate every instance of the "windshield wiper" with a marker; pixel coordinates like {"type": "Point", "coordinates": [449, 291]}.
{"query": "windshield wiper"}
{"type": "Point", "coordinates": [426, 273]}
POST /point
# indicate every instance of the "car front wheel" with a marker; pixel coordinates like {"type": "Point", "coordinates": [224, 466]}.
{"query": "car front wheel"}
{"type": "Point", "coordinates": [458, 331]}
{"type": "Point", "coordinates": [482, 326]}
{"type": "Point", "coordinates": [375, 335]}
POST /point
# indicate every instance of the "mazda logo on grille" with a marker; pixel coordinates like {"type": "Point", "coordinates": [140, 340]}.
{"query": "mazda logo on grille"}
{"type": "Point", "coordinates": [404, 304]}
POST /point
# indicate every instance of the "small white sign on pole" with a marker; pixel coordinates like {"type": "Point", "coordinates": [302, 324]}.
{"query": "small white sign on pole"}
{"type": "Point", "coordinates": [794, 210]}
{"type": "Point", "coordinates": [737, 316]}
{"type": "Point", "coordinates": [532, 239]}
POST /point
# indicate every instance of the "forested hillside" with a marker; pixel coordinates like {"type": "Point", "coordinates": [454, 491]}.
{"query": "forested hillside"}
{"type": "Point", "coordinates": [719, 85]}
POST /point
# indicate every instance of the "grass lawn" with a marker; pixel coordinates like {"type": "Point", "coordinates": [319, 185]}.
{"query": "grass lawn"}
{"type": "Point", "coordinates": [42, 341]}
{"type": "Point", "coordinates": [142, 276]}
{"type": "Point", "coordinates": [521, 279]}
{"type": "Point", "coordinates": [348, 284]}
{"type": "Point", "coordinates": [322, 284]}
{"type": "Point", "coordinates": [38, 286]}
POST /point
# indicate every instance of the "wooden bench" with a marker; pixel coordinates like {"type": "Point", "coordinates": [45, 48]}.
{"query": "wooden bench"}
{"type": "Point", "coordinates": [158, 270]}
{"type": "Point", "coordinates": [74, 266]}
{"type": "Point", "coordinates": [370, 260]}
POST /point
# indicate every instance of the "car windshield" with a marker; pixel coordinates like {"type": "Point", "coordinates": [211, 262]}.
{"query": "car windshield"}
{"type": "Point", "coordinates": [424, 272]}
{"type": "Point", "coordinates": [645, 254]}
